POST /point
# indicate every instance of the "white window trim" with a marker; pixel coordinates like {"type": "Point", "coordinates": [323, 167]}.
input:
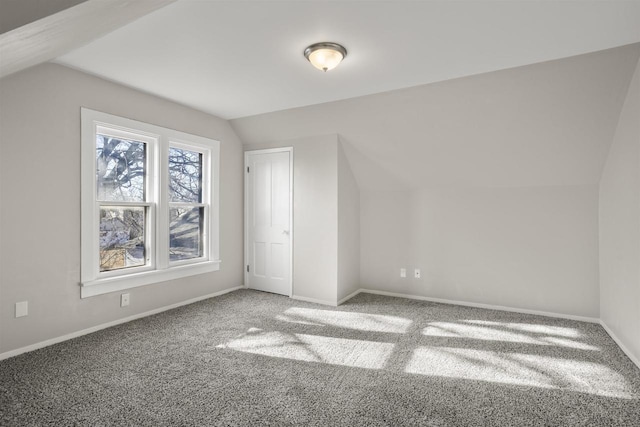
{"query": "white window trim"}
{"type": "Point", "coordinates": [159, 269]}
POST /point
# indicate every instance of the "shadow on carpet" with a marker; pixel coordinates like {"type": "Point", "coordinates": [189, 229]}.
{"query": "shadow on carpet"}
{"type": "Point", "coordinates": [252, 358]}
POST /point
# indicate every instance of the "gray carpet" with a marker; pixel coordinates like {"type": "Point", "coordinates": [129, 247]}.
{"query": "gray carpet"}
{"type": "Point", "coordinates": [252, 358]}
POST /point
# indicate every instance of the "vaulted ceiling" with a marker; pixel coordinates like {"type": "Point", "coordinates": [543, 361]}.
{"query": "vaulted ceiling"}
{"type": "Point", "coordinates": [431, 94]}
{"type": "Point", "coordinates": [241, 58]}
{"type": "Point", "coordinates": [544, 124]}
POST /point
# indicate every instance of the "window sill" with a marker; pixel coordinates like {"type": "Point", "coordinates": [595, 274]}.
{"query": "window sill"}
{"type": "Point", "coordinates": [120, 283]}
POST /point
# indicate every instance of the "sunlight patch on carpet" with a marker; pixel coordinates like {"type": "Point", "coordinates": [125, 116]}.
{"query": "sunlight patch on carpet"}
{"type": "Point", "coordinates": [312, 348]}
{"type": "Point", "coordinates": [561, 331]}
{"type": "Point", "coordinates": [344, 319]}
{"type": "Point", "coordinates": [495, 331]}
{"type": "Point", "coordinates": [520, 369]}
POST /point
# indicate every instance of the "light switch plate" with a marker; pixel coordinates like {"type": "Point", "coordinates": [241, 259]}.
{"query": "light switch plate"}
{"type": "Point", "coordinates": [403, 272]}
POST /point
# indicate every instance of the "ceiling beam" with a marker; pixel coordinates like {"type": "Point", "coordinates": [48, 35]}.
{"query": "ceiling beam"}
{"type": "Point", "coordinates": [16, 13]}
{"type": "Point", "coordinates": [54, 35]}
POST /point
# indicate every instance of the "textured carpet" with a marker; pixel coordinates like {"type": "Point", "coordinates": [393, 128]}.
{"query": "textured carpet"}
{"type": "Point", "coordinates": [252, 358]}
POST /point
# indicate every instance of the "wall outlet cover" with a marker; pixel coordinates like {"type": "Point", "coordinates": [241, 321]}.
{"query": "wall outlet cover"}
{"type": "Point", "coordinates": [416, 273]}
{"type": "Point", "coordinates": [124, 300]}
{"type": "Point", "coordinates": [22, 308]}
{"type": "Point", "coordinates": [403, 272]}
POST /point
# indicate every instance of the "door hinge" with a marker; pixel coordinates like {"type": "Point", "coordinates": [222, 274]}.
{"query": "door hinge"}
{"type": "Point", "coordinates": [247, 268]}
{"type": "Point", "coordinates": [247, 169]}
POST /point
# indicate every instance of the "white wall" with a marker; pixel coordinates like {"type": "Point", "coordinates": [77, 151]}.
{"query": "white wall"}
{"type": "Point", "coordinates": [348, 228]}
{"type": "Point", "coordinates": [315, 215]}
{"type": "Point", "coordinates": [530, 248]}
{"type": "Point", "coordinates": [488, 183]}
{"type": "Point", "coordinates": [40, 211]}
{"type": "Point", "coordinates": [620, 227]}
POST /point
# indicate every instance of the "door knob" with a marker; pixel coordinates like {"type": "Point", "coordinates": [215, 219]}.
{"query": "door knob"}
{"type": "Point", "coordinates": [285, 231]}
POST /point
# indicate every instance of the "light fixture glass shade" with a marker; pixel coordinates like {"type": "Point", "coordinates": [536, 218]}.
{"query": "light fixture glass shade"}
{"type": "Point", "coordinates": [325, 56]}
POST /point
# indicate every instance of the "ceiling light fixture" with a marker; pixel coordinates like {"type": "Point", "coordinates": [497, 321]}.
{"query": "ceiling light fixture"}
{"type": "Point", "coordinates": [325, 56]}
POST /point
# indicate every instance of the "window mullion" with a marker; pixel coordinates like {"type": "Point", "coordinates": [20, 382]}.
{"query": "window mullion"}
{"type": "Point", "coordinates": [186, 205]}
{"type": "Point", "coordinates": [162, 211]}
{"type": "Point", "coordinates": [125, 204]}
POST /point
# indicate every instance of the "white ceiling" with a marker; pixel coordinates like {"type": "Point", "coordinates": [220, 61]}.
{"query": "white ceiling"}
{"type": "Point", "coordinates": [242, 58]}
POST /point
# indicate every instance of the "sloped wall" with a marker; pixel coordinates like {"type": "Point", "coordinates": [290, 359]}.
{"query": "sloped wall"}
{"type": "Point", "coordinates": [620, 227]}
{"type": "Point", "coordinates": [547, 124]}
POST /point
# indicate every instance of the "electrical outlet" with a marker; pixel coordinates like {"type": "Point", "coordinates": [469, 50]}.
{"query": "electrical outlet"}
{"type": "Point", "coordinates": [22, 308]}
{"type": "Point", "coordinates": [124, 300]}
{"type": "Point", "coordinates": [416, 273]}
{"type": "Point", "coordinates": [403, 272]}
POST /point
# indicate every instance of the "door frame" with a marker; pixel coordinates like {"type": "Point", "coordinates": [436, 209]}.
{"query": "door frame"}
{"type": "Point", "coordinates": [246, 211]}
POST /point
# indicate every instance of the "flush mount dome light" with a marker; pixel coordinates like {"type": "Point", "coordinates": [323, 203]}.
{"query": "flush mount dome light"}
{"type": "Point", "coordinates": [325, 56]}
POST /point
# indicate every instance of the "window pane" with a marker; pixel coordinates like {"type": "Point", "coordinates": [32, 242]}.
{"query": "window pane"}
{"type": "Point", "coordinates": [122, 237]}
{"type": "Point", "coordinates": [185, 233]}
{"type": "Point", "coordinates": [120, 169]}
{"type": "Point", "coordinates": [185, 176]}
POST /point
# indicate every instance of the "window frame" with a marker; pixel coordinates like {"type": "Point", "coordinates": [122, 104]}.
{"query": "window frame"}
{"type": "Point", "coordinates": [205, 197]}
{"type": "Point", "coordinates": [158, 267]}
{"type": "Point", "coordinates": [151, 141]}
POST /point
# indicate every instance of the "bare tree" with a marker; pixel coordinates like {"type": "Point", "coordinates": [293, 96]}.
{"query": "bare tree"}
{"type": "Point", "coordinates": [185, 185]}
{"type": "Point", "coordinates": [121, 175]}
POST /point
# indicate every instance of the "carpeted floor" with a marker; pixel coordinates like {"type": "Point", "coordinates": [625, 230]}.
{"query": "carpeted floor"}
{"type": "Point", "coordinates": [252, 358]}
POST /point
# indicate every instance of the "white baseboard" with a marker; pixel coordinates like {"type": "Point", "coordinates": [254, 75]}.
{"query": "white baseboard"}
{"type": "Point", "coordinates": [348, 297]}
{"type": "Point", "coordinates": [92, 329]}
{"type": "Point", "coordinates": [487, 306]}
{"type": "Point", "coordinates": [617, 340]}
{"type": "Point", "coordinates": [72, 335]}
{"type": "Point", "coordinates": [317, 301]}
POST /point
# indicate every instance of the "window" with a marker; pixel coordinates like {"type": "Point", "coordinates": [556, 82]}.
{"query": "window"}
{"type": "Point", "coordinates": [149, 204]}
{"type": "Point", "coordinates": [186, 210]}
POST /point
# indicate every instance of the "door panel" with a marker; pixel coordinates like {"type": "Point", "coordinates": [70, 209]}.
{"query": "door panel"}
{"type": "Point", "coordinates": [277, 258]}
{"type": "Point", "coordinates": [268, 220]}
{"type": "Point", "coordinates": [259, 259]}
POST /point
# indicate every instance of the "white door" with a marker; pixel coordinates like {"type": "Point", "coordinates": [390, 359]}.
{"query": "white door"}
{"type": "Point", "coordinates": [268, 220]}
